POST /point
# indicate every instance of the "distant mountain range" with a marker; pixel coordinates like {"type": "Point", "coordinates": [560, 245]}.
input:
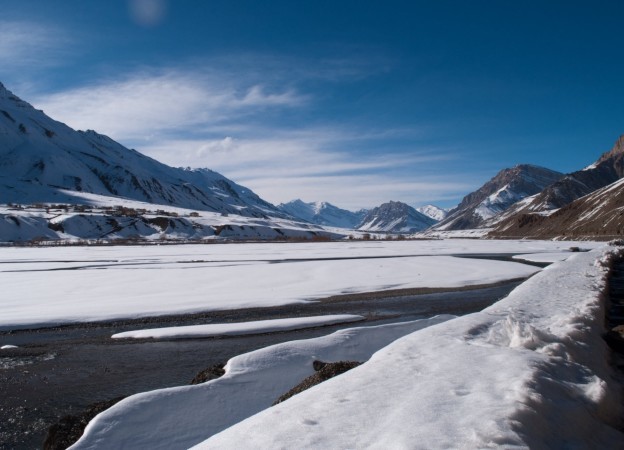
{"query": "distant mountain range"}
{"type": "Point", "coordinates": [323, 213]}
{"type": "Point", "coordinates": [46, 163]}
{"type": "Point", "coordinates": [391, 217]}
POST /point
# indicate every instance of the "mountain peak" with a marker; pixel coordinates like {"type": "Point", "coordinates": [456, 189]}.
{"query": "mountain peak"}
{"type": "Point", "coordinates": [395, 217]}
{"type": "Point", "coordinates": [618, 149]}
{"type": "Point", "coordinates": [433, 211]}
{"type": "Point", "coordinates": [4, 92]}
{"type": "Point", "coordinates": [6, 95]}
{"type": "Point", "coordinates": [322, 213]}
{"type": "Point", "coordinates": [499, 193]}
{"type": "Point", "coordinates": [607, 169]}
{"type": "Point", "coordinates": [47, 161]}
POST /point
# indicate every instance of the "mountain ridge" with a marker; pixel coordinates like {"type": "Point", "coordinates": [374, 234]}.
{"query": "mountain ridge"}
{"type": "Point", "coordinates": [43, 160]}
{"type": "Point", "coordinates": [506, 188]}
{"type": "Point", "coordinates": [606, 171]}
{"type": "Point", "coordinates": [395, 217]}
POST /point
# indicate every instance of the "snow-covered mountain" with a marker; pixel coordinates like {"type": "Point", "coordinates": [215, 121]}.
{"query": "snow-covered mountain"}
{"type": "Point", "coordinates": [42, 160]}
{"type": "Point", "coordinates": [323, 213]}
{"type": "Point", "coordinates": [395, 217]}
{"type": "Point", "coordinates": [435, 212]}
{"type": "Point", "coordinates": [506, 188]}
{"type": "Point", "coordinates": [58, 183]}
{"type": "Point", "coordinates": [598, 215]}
{"type": "Point", "coordinates": [606, 170]}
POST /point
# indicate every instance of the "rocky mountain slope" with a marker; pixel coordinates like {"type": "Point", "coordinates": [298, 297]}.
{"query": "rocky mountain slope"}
{"type": "Point", "coordinates": [395, 217]}
{"type": "Point", "coordinates": [506, 188]}
{"type": "Point", "coordinates": [599, 215]}
{"type": "Point", "coordinates": [606, 170]}
{"type": "Point", "coordinates": [323, 213]}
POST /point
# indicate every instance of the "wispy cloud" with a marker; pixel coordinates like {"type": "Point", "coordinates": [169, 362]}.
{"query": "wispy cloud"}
{"type": "Point", "coordinates": [317, 163]}
{"type": "Point", "coordinates": [144, 105]}
{"type": "Point", "coordinates": [240, 126]}
{"type": "Point", "coordinates": [358, 191]}
{"type": "Point", "coordinates": [30, 44]}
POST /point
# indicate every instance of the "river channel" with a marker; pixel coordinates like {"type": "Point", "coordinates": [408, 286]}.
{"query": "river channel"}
{"type": "Point", "coordinates": [61, 370]}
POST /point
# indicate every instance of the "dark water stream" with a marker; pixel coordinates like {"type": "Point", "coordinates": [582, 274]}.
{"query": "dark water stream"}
{"type": "Point", "coordinates": [60, 371]}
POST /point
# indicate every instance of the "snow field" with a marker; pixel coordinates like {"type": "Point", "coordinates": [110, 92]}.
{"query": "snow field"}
{"type": "Point", "coordinates": [45, 286]}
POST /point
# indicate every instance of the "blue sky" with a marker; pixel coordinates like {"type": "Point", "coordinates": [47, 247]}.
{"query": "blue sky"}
{"type": "Point", "coordinates": [351, 102]}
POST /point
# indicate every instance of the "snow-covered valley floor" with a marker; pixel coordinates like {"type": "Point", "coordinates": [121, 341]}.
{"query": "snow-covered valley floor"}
{"type": "Point", "coordinates": [47, 286]}
{"type": "Point", "coordinates": [490, 377]}
{"type": "Point", "coordinates": [531, 371]}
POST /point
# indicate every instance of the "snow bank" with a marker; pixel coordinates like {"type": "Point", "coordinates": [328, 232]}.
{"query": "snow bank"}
{"type": "Point", "coordinates": [239, 328]}
{"type": "Point", "coordinates": [546, 257]}
{"type": "Point", "coordinates": [177, 418]}
{"type": "Point", "coordinates": [531, 371]}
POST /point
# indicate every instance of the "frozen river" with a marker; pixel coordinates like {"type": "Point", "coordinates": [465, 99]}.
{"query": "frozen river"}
{"type": "Point", "coordinates": [60, 370]}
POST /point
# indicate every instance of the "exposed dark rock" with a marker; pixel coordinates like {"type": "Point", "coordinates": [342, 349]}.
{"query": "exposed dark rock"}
{"type": "Point", "coordinates": [324, 371]}
{"type": "Point", "coordinates": [211, 373]}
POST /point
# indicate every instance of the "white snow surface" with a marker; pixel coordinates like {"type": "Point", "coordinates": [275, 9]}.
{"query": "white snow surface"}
{"type": "Point", "coordinates": [56, 285]}
{"type": "Point", "coordinates": [531, 371]}
{"type": "Point", "coordinates": [433, 211]}
{"type": "Point", "coordinates": [550, 257]}
{"type": "Point", "coordinates": [238, 328]}
{"type": "Point", "coordinates": [180, 417]}
{"type": "Point", "coordinates": [7, 347]}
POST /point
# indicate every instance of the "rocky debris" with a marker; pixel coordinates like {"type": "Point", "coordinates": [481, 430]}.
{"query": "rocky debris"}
{"type": "Point", "coordinates": [211, 373]}
{"type": "Point", "coordinates": [324, 371]}
{"type": "Point", "coordinates": [615, 309]}
{"type": "Point", "coordinates": [615, 338]}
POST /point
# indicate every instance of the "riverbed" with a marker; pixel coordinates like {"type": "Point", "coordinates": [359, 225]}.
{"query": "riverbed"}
{"type": "Point", "coordinates": [61, 370]}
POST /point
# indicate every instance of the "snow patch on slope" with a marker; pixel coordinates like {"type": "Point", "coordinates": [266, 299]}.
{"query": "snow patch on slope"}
{"type": "Point", "coordinates": [435, 212]}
